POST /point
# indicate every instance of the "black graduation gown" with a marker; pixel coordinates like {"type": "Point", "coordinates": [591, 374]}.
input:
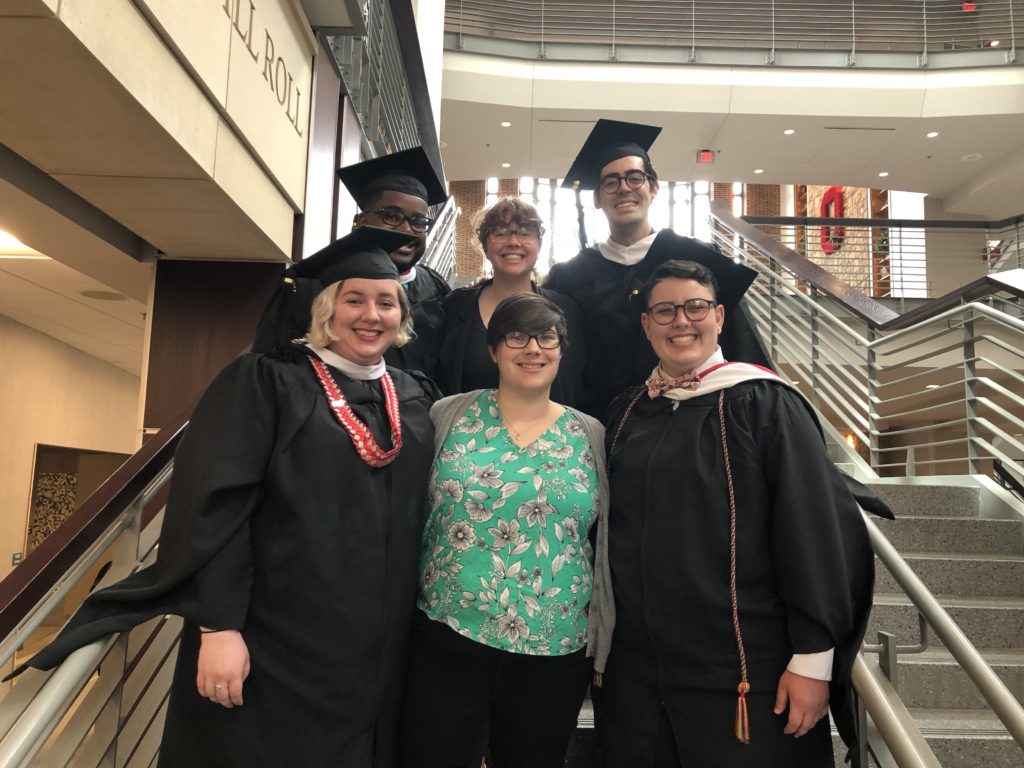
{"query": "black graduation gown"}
{"type": "Point", "coordinates": [617, 352]}
{"type": "Point", "coordinates": [276, 527]}
{"type": "Point", "coordinates": [426, 293]}
{"type": "Point", "coordinates": [804, 574]}
{"type": "Point", "coordinates": [287, 317]}
{"type": "Point", "coordinates": [462, 312]}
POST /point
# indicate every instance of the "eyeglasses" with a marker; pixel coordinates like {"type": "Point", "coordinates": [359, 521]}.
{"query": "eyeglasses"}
{"type": "Point", "coordinates": [520, 340]}
{"type": "Point", "coordinates": [524, 232]}
{"type": "Point", "coordinates": [396, 217]}
{"type": "Point", "coordinates": [633, 179]}
{"type": "Point", "coordinates": [664, 312]}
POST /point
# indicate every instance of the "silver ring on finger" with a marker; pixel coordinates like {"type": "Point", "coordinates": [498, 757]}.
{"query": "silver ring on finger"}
{"type": "Point", "coordinates": [219, 690]}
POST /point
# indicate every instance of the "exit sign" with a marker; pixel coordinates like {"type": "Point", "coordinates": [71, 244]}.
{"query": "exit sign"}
{"type": "Point", "coordinates": [705, 156]}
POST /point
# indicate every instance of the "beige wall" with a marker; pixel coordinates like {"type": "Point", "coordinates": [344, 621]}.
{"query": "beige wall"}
{"type": "Point", "coordinates": [54, 394]}
{"type": "Point", "coordinates": [852, 262]}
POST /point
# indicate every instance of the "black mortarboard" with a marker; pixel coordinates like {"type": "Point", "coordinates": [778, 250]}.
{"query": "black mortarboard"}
{"type": "Point", "coordinates": [361, 253]}
{"type": "Point", "coordinates": [733, 278]}
{"type": "Point", "coordinates": [409, 171]}
{"type": "Point", "coordinates": [607, 142]}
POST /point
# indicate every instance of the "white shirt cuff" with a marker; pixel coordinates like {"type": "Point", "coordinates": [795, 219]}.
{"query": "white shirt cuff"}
{"type": "Point", "coordinates": [814, 665]}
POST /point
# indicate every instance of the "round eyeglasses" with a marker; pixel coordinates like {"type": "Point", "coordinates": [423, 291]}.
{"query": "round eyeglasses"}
{"type": "Point", "coordinates": [524, 232]}
{"type": "Point", "coordinates": [395, 217]}
{"type": "Point", "coordinates": [633, 179]}
{"type": "Point", "coordinates": [695, 310]}
{"type": "Point", "coordinates": [520, 340]}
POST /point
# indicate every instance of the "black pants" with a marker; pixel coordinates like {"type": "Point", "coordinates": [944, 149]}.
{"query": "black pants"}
{"type": "Point", "coordinates": [644, 724]}
{"type": "Point", "coordinates": [463, 699]}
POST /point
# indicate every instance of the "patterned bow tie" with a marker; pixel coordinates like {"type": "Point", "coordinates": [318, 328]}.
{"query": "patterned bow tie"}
{"type": "Point", "coordinates": [656, 385]}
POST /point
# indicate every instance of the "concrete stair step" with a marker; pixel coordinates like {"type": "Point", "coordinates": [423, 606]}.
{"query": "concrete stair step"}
{"type": "Point", "coordinates": [964, 738]}
{"type": "Point", "coordinates": [995, 623]}
{"type": "Point", "coordinates": [934, 680]}
{"type": "Point", "coordinates": [960, 574]}
{"type": "Point", "coordinates": [954, 534]}
{"type": "Point", "coordinates": [930, 500]}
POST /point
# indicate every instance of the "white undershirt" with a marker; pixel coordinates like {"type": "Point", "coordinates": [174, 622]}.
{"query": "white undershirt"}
{"type": "Point", "coordinates": [407, 277]}
{"type": "Point", "coordinates": [626, 254]}
{"type": "Point", "coordinates": [352, 370]}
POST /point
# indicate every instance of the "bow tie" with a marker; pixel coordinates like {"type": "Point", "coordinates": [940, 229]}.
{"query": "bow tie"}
{"type": "Point", "coordinates": [656, 385]}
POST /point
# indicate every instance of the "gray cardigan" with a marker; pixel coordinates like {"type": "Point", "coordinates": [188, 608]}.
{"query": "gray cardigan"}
{"type": "Point", "coordinates": [601, 618]}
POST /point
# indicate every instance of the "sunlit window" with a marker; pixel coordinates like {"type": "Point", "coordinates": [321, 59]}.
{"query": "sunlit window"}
{"type": "Point", "coordinates": [679, 205]}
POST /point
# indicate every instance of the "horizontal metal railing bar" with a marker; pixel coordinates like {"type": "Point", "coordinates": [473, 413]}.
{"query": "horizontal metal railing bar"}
{"type": "Point", "coordinates": [930, 443]}
{"type": "Point", "coordinates": [848, 221]}
{"type": "Point", "coordinates": [994, 691]}
{"type": "Point", "coordinates": [998, 432]}
{"type": "Point", "coordinates": [800, 333]}
{"type": "Point", "coordinates": [929, 374]}
{"type": "Point", "coordinates": [998, 454]}
{"type": "Point", "coordinates": [847, 338]}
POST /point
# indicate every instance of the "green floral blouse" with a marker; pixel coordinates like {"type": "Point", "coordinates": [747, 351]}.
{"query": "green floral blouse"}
{"type": "Point", "coordinates": [506, 560]}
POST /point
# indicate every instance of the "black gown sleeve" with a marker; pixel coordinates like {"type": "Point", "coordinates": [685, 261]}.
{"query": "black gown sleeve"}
{"type": "Point", "coordinates": [203, 570]}
{"type": "Point", "coordinates": [811, 507]}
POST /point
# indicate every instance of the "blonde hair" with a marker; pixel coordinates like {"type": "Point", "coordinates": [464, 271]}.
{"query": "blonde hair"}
{"type": "Point", "coordinates": [319, 333]}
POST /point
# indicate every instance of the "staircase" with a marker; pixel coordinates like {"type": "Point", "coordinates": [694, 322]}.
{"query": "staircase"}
{"type": "Point", "coordinates": [975, 567]}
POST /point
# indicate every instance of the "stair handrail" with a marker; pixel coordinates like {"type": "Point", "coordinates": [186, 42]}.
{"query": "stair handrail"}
{"type": "Point", "coordinates": [42, 571]}
{"type": "Point", "coordinates": [875, 314]}
{"type": "Point", "coordinates": [1009, 711]}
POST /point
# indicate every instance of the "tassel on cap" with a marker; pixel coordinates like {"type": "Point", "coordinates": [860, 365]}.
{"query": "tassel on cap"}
{"type": "Point", "coordinates": [742, 719]}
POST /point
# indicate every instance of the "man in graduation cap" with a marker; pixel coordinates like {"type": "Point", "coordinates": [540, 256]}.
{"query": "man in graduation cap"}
{"type": "Point", "coordinates": [291, 538]}
{"type": "Point", "coordinates": [605, 279]}
{"type": "Point", "coordinates": [392, 191]}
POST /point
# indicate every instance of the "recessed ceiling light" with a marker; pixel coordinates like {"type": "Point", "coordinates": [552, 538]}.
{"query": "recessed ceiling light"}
{"type": "Point", "coordinates": [506, 165]}
{"type": "Point", "coordinates": [994, 44]}
{"type": "Point", "coordinates": [883, 174]}
{"type": "Point", "coordinates": [506, 124]}
{"type": "Point", "coordinates": [932, 134]}
{"type": "Point", "coordinates": [970, 157]}
{"type": "Point", "coordinates": [931, 386]}
{"type": "Point", "coordinates": [759, 170]}
{"type": "Point", "coordinates": [789, 131]}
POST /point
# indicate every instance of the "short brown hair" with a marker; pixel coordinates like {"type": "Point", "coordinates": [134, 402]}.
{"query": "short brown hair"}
{"type": "Point", "coordinates": [680, 269]}
{"type": "Point", "coordinates": [526, 313]}
{"type": "Point", "coordinates": [507, 210]}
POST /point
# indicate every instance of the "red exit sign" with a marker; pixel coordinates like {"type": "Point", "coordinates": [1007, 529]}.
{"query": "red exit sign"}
{"type": "Point", "coordinates": [705, 156]}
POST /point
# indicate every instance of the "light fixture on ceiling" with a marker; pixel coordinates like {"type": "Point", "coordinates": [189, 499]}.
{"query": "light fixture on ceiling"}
{"type": "Point", "coordinates": [759, 170]}
{"type": "Point", "coordinates": [971, 157]}
{"type": "Point", "coordinates": [883, 174]}
{"type": "Point", "coordinates": [932, 134]}
{"type": "Point", "coordinates": [994, 43]}
{"type": "Point", "coordinates": [506, 124]}
{"type": "Point", "coordinates": [789, 131]}
{"type": "Point", "coordinates": [506, 165]}
{"type": "Point", "coordinates": [931, 386]}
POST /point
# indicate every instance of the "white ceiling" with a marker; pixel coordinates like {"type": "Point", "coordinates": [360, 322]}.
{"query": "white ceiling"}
{"type": "Point", "coordinates": [48, 296]}
{"type": "Point", "coordinates": [849, 125]}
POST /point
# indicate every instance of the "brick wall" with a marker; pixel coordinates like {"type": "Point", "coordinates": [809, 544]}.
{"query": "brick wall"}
{"type": "Point", "coordinates": [720, 191]}
{"type": "Point", "coordinates": [852, 261]}
{"type": "Point", "coordinates": [764, 200]}
{"type": "Point", "coordinates": [471, 196]}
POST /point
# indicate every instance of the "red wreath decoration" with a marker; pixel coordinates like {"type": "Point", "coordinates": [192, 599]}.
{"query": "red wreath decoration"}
{"type": "Point", "coordinates": [832, 207]}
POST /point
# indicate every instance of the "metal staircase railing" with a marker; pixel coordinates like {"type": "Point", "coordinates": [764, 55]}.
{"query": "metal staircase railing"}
{"type": "Point", "coordinates": [932, 391]}
{"type": "Point", "coordinates": [440, 253]}
{"type": "Point", "coordinates": [857, 361]}
{"type": "Point", "coordinates": [104, 705]}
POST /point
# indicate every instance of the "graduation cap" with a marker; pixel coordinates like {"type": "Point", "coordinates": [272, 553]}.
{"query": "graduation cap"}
{"type": "Point", "coordinates": [409, 171]}
{"type": "Point", "coordinates": [733, 278]}
{"type": "Point", "coordinates": [607, 142]}
{"type": "Point", "coordinates": [361, 253]}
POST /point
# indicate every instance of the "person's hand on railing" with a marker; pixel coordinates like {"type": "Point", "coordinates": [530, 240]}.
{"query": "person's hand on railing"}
{"type": "Point", "coordinates": [807, 699]}
{"type": "Point", "coordinates": [223, 667]}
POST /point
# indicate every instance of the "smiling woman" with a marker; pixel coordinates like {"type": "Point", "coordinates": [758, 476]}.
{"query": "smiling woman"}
{"type": "Point", "coordinates": [510, 233]}
{"type": "Point", "coordinates": [507, 571]}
